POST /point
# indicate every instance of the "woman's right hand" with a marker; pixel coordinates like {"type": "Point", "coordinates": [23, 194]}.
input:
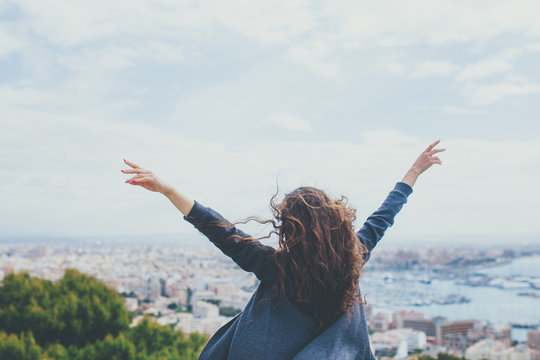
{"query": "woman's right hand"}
{"type": "Point", "coordinates": [427, 158]}
{"type": "Point", "coordinates": [146, 179]}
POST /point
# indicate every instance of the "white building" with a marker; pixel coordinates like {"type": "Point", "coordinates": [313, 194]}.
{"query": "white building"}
{"type": "Point", "coordinates": [131, 304]}
{"type": "Point", "coordinates": [202, 295]}
{"type": "Point", "coordinates": [202, 309]}
{"type": "Point", "coordinates": [403, 341]}
{"type": "Point", "coordinates": [379, 322]}
{"type": "Point", "coordinates": [188, 323]}
{"type": "Point", "coordinates": [415, 339]}
{"type": "Point", "coordinates": [388, 343]}
{"type": "Point", "coordinates": [491, 350]}
{"type": "Point", "coordinates": [208, 325]}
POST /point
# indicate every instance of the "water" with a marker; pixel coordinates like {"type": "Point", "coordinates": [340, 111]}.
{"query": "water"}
{"type": "Point", "coordinates": [529, 266]}
{"type": "Point", "coordinates": [488, 304]}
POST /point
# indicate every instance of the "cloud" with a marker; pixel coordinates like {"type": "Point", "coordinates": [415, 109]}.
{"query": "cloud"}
{"type": "Point", "coordinates": [484, 69]}
{"type": "Point", "coordinates": [420, 69]}
{"type": "Point", "coordinates": [9, 43]}
{"type": "Point", "coordinates": [303, 31]}
{"type": "Point", "coordinates": [25, 96]}
{"type": "Point", "coordinates": [435, 23]}
{"type": "Point", "coordinates": [427, 69]}
{"type": "Point", "coordinates": [388, 138]}
{"type": "Point", "coordinates": [456, 110]}
{"type": "Point", "coordinates": [500, 63]}
{"type": "Point", "coordinates": [419, 107]}
{"type": "Point", "coordinates": [62, 177]}
{"type": "Point", "coordinates": [107, 58]}
{"type": "Point", "coordinates": [492, 93]}
{"type": "Point", "coordinates": [290, 121]}
{"type": "Point", "coordinates": [185, 89]}
{"type": "Point", "coordinates": [315, 55]}
{"type": "Point", "coordinates": [268, 22]}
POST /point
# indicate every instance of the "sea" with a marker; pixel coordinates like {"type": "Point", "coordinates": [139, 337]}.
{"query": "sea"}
{"type": "Point", "coordinates": [389, 292]}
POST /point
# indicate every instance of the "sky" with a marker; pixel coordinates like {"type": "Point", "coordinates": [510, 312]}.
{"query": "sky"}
{"type": "Point", "coordinates": [226, 99]}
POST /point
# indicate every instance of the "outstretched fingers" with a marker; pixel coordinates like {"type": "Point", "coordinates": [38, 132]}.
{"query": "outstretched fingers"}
{"type": "Point", "coordinates": [136, 169]}
{"type": "Point", "coordinates": [135, 178]}
{"type": "Point", "coordinates": [133, 165]}
{"type": "Point", "coordinates": [430, 147]}
{"type": "Point", "coordinates": [434, 151]}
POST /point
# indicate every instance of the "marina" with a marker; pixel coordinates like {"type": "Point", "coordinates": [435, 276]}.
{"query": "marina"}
{"type": "Point", "coordinates": [460, 296]}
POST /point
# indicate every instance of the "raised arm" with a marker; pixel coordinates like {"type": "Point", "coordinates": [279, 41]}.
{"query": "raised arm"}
{"type": "Point", "coordinates": [250, 255]}
{"type": "Point", "coordinates": [375, 226]}
{"type": "Point", "coordinates": [424, 162]}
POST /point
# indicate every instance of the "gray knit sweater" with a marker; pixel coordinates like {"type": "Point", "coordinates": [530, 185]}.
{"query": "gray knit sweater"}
{"type": "Point", "coordinates": [261, 332]}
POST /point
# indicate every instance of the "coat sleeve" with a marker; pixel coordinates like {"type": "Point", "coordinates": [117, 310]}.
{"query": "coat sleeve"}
{"type": "Point", "coordinates": [250, 255]}
{"type": "Point", "coordinates": [373, 229]}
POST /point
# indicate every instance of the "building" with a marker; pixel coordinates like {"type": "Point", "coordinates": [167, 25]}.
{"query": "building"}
{"type": "Point", "coordinates": [188, 323]}
{"type": "Point", "coordinates": [454, 333]}
{"type": "Point", "coordinates": [426, 325]}
{"type": "Point", "coordinates": [178, 292]}
{"type": "Point", "coordinates": [379, 322]}
{"type": "Point", "coordinates": [486, 349]}
{"type": "Point", "coordinates": [415, 339]}
{"type": "Point", "coordinates": [224, 290]}
{"type": "Point", "coordinates": [533, 339]}
{"type": "Point", "coordinates": [389, 343]}
{"type": "Point", "coordinates": [131, 304]}
{"type": "Point", "coordinates": [202, 295]}
{"type": "Point", "coordinates": [153, 288]}
{"type": "Point", "coordinates": [400, 316]}
{"type": "Point", "coordinates": [184, 322]}
{"type": "Point", "coordinates": [202, 309]}
{"type": "Point", "coordinates": [368, 311]}
{"type": "Point", "coordinates": [490, 349]}
{"type": "Point", "coordinates": [208, 325]}
{"type": "Point", "coordinates": [501, 333]}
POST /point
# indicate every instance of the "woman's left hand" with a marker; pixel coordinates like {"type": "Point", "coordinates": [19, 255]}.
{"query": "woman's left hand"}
{"type": "Point", "coordinates": [146, 179]}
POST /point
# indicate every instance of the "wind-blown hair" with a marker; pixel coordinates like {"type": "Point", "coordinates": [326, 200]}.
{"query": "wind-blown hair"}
{"type": "Point", "coordinates": [319, 258]}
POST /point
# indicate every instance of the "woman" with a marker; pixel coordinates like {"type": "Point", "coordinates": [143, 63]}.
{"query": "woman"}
{"type": "Point", "coordinates": [307, 304]}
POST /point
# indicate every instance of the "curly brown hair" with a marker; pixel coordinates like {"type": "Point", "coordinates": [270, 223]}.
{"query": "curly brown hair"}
{"type": "Point", "coordinates": [319, 258]}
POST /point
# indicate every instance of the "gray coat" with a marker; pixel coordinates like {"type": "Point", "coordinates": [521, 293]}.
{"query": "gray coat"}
{"type": "Point", "coordinates": [260, 332]}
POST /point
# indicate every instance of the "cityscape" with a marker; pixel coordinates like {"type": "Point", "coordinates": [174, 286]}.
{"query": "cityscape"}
{"type": "Point", "coordinates": [116, 115]}
{"type": "Point", "coordinates": [409, 311]}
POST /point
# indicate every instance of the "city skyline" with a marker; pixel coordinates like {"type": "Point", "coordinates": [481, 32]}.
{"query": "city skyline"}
{"type": "Point", "coordinates": [434, 294]}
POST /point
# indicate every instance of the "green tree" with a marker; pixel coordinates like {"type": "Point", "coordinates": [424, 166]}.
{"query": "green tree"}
{"type": "Point", "coordinates": [56, 352]}
{"type": "Point", "coordinates": [162, 342]}
{"type": "Point", "coordinates": [150, 337]}
{"type": "Point", "coordinates": [81, 318]}
{"type": "Point", "coordinates": [77, 310]}
{"type": "Point", "coordinates": [441, 356]}
{"type": "Point", "coordinates": [115, 348]}
{"type": "Point", "coordinates": [13, 347]}
{"type": "Point", "coordinates": [229, 311]}
{"type": "Point", "coordinates": [92, 310]}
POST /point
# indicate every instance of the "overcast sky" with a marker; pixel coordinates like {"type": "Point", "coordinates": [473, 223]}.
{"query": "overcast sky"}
{"type": "Point", "coordinates": [224, 98]}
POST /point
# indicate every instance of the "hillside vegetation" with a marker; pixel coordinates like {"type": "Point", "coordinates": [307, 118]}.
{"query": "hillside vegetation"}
{"type": "Point", "coordinates": [80, 318]}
